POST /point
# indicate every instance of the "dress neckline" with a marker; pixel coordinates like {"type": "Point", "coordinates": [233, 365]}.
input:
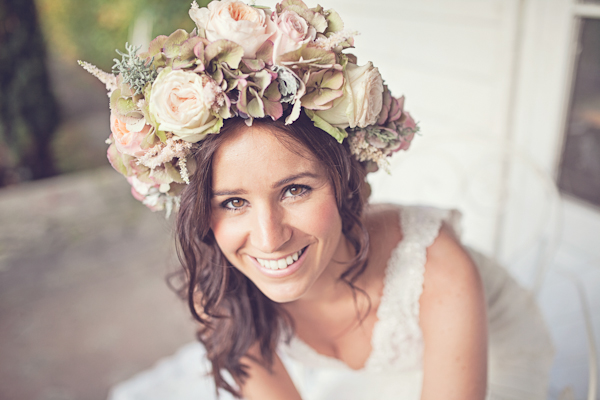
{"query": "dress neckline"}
{"type": "Point", "coordinates": [332, 362]}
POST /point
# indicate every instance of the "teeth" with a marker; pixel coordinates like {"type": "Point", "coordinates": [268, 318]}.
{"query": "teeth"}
{"type": "Point", "coordinates": [281, 263]}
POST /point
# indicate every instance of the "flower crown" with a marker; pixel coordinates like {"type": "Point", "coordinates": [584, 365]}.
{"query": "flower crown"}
{"type": "Point", "coordinates": [250, 62]}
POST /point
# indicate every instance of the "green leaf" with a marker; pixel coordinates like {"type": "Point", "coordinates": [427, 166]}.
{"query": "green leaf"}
{"type": "Point", "coordinates": [216, 128]}
{"type": "Point", "coordinates": [337, 133]}
{"type": "Point", "coordinates": [161, 135]}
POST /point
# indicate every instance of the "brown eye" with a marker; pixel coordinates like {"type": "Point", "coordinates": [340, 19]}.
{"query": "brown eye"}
{"type": "Point", "coordinates": [234, 203]}
{"type": "Point", "coordinates": [296, 191]}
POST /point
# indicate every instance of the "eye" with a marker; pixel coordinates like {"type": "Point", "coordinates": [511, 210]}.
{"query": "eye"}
{"type": "Point", "coordinates": [296, 191]}
{"type": "Point", "coordinates": [234, 204]}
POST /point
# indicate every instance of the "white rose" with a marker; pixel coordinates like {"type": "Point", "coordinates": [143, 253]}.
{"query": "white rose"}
{"type": "Point", "coordinates": [362, 100]}
{"type": "Point", "coordinates": [234, 20]}
{"type": "Point", "coordinates": [181, 103]}
{"type": "Point", "coordinates": [292, 32]}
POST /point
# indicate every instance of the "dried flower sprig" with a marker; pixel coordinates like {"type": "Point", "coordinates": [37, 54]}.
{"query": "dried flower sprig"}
{"type": "Point", "coordinates": [135, 71]}
{"type": "Point", "coordinates": [109, 80]}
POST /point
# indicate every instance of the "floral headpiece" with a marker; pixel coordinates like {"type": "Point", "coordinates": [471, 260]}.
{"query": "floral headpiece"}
{"type": "Point", "coordinates": [250, 62]}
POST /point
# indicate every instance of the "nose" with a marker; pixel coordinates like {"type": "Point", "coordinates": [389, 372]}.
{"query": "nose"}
{"type": "Point", "coordinates": [270, 230]}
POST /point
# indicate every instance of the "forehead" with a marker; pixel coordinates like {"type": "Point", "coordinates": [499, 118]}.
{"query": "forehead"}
{"type": "Point", "coordinates": [260, 153]}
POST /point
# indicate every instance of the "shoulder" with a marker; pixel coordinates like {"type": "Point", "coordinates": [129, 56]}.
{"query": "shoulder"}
{"type": "Point", "coordinates": [453, 321]}
{"type": "Point", "coordinates": [451, 276]}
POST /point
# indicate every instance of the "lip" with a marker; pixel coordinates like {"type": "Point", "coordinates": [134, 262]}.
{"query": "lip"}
{"type": "Point", "coordinates": [281, 273]}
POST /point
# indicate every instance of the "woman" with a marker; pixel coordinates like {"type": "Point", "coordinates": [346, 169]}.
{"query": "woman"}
{"type": "Point", "coordinates": [272, 194]}
{"type": "Point", "coordinates": [260, 128]}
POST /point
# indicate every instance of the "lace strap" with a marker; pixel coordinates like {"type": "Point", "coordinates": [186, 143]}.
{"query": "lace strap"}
{"type": "Point", "coordinates": [397, 339]}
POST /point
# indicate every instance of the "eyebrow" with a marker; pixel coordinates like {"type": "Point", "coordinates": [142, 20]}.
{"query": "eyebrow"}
{"type": "Point", "coordinates": [277, 184]}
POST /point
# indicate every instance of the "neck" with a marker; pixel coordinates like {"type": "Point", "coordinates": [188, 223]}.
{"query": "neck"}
{"type": "Point", "coordinates": [329, 293]}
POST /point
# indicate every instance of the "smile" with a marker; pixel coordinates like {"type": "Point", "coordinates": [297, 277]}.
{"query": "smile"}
{"type": "Point", "coordinates": [280, 263]}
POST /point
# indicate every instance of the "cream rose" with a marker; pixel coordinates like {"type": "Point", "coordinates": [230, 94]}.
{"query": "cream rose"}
{"type": "Point", "coordinates": [236, 21]}
{"type": "Point", "coordinates": [181, 102]}
{"type": "Point", "coordinates": [128, 137]}
{"type": "Point", "coordinates": [362, 100]}
{"type": "Point", "coordinates": [292, 32]}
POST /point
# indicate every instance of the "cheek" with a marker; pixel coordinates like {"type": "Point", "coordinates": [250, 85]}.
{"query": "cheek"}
{"type": "Point", "coordinates": [227, 234]}
{"type": "Point", "coordinates": [324, 220]}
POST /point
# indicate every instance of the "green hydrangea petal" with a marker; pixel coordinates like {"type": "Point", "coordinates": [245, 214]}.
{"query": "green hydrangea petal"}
{"type": "Point", "coordinates": [256, 107]}
{"type": "Point", "coordinates": [334, 22]}
{"type": "Point", "coordinates": [224, 51]}
{"type": "Point", "coordinates": [172, 46]}
{"type": "Point", "coordinates": [155, 47]}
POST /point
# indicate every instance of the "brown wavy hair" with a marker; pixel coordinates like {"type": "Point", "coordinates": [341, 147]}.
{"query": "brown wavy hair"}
{"type": "Point", "coordinates": [233, 313]}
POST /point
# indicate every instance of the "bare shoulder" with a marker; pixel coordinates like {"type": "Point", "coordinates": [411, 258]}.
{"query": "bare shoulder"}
{"type": "Point", "coordinates": [449, 270]}
{"type": "Point", "coordinates": [453, 321]}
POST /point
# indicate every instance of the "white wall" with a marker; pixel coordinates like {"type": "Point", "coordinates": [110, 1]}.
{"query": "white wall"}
{"type": "Point", "coordinates": [454, 61]}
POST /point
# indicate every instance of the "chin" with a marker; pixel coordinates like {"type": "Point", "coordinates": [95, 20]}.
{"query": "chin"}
{"type": "Point", "coordinates": [283, 294]}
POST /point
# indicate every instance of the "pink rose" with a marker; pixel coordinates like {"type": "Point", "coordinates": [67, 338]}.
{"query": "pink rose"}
{"type": "Point", "coordinates": [182, 102]}
{"type": "Point", "coordinates": [234, 20]}
{"type": "Point", "coordinates": [362, 101]}
{"type": "Point", "coordinates": [129, 137]}
{"type": "Point", "coordinates": [292, 32]}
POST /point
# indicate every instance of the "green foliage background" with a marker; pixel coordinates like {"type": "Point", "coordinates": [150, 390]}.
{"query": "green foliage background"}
{"type": "Point", "coordinates": [91, 30]}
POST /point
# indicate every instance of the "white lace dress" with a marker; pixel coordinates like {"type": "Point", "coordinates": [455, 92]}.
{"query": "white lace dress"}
{"type": "Point", "coordinates": [520, 350]}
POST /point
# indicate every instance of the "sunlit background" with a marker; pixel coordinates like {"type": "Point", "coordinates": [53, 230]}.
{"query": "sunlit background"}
{"type": "Point", "coordinates": [507, 93]}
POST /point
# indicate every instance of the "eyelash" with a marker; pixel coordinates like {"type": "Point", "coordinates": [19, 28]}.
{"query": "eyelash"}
{"type": "Point", "coordinates": [305, 190]}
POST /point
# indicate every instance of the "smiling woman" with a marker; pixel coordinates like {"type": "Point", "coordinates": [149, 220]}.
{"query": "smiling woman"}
{"type": "Point", "coordinates": [258, 129]}
{"type": "Point", "coordinates": [269, 203]}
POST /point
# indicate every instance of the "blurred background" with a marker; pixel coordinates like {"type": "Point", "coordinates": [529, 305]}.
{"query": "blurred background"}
{"type": "Point", "coordinates": [507, 94]}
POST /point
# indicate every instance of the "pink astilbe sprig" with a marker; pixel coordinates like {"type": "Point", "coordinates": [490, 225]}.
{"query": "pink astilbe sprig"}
{"type": "Point", "coordinates": [165, 152]}
{"type": "Point", "coordinates": [109, 80]}
{"type": "Point", "coordinates": [335, 40]}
